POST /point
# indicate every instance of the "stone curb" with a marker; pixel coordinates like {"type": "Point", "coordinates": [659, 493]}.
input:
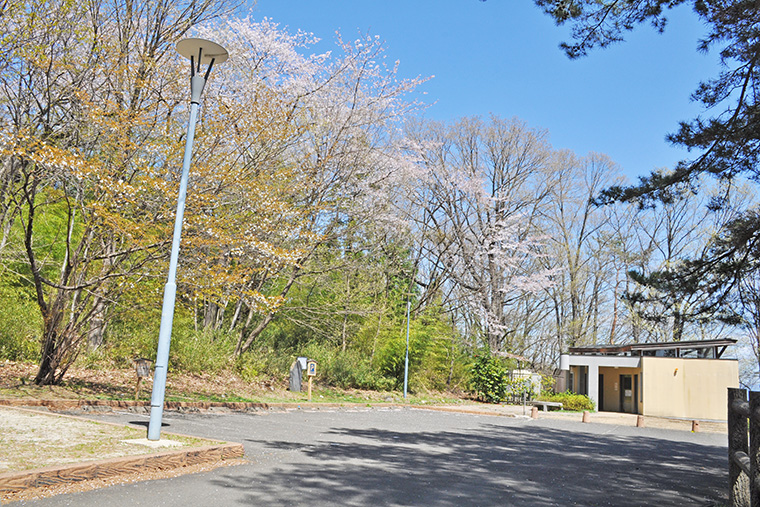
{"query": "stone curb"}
{"type": "Point", "coordinates": [11, 482]}
{"type": "Point", "coordinates": [126, 404]}
{"type": "Point", "coordinates": [86, 405]}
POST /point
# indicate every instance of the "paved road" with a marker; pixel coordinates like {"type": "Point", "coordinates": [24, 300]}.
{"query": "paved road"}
{"type": "Point", "coordinates": [418, 457]}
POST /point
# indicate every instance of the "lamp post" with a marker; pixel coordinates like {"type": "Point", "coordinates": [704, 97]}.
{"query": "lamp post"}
{"type": "Point", "coordinates": [206, 52]}
{"type": "Point", "coordinates": [406, 356]}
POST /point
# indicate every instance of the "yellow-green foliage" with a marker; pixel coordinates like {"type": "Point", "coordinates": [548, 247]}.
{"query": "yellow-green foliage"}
{"type": "Point", "coordinates": [201, 352]}
{"type": "Point", "coordinates": [21, 323]}
{"type": "Point", "coordinates": [435, 359]}
{"type": "Point", "coordinates": [570, 401]}
{"type": "Point", "coordinates": [349, 369]}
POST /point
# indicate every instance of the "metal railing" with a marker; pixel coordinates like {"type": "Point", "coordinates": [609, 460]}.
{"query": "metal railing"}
{"type": "Point", "coordinates": [743, 455]}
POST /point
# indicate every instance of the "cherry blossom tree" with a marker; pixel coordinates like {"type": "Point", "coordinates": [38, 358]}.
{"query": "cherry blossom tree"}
{"type": "Point", "coordinates": [475, 211]}
{"type": "Point", "coordinates": [299, 150]}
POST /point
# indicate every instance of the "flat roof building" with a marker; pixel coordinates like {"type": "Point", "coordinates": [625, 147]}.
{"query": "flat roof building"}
{"type": "Point", "coordinates": [687, 379]}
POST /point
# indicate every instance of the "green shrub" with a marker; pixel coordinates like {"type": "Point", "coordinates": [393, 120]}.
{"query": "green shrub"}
{"type": "Point", "coordinates": [570, 401]}
{"type": "Point", "coordinates": [349, 369]}
{"type": "Point", "coordinates": [125, 339]}
{"type": "Point", "coordinates": [251, 366]}
{"type": "Point", "coordinates": [489, 378]}
{"type": "Point", "coordinates": [21, 321]}
{"type": "Point", "coordinates": [201, 352]}
{"type": "Point", "coordinates": [518, 387]}
{"type": "Point", "coordinates": [390, 359]}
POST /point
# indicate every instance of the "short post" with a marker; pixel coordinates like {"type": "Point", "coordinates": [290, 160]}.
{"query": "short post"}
{"type": "Point", "coordinates": [534, 412]}
{"type": "Point", "coordinates": [142, 368]}
{"type": "Point", "coordinates": [695, 426]}
{"type": "Point", "coordinates": [586, 416]}
{"type": "Point", "coordinates": [639, 421]}
{"type": "Point", "coordinates": [311, 371]}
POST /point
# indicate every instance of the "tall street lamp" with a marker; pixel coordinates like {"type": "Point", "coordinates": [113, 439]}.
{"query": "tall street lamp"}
{"type": "Point", "coordinates": [406, 356]}
{"type": "Point", "coordinates": [206, 52]}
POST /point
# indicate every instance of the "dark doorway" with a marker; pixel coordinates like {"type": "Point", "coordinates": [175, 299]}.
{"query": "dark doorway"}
{"type": "Point", "coordinates": [635, 394]}
{"type": "Point", "coordinates": [583, 380]}
{"type": "Point", "coordinates": [601, 392]}
{"type": "Point", "coordinates": [626, 394]}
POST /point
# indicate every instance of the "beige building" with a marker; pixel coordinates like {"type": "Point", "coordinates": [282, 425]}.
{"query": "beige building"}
{"type": "Point", "coordinates": [678, 379]}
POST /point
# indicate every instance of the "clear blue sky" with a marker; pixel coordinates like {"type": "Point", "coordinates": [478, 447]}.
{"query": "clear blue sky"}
{"type": "Point", "coordinates": [502, 57]}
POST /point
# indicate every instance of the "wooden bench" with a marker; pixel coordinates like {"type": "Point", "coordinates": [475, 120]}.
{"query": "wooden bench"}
{"type": "Point", "coordinates": [546, 404]}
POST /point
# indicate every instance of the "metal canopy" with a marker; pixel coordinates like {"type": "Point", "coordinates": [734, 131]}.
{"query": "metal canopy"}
{"type": "Point", "coordinates": [720, 346]}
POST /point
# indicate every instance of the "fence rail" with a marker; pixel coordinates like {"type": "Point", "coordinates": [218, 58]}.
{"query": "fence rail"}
{"type": "Point", "coordinates": [743, 445]}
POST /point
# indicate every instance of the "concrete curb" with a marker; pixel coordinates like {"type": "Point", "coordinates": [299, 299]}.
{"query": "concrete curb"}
{"type": "Point", "coordinates": [11, 482]}
{"type": "Point", "coordinates": [144, 407]}
{"type": "Point", "coordinates": [61, 405]}
{"type": "Point", "coordinates": [126, 404]}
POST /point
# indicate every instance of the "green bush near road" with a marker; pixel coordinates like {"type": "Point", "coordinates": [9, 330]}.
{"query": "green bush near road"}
{"type": "Point", "coordinates": [489, 378]}
{"type": "Point", "coordinates": [570, 401]}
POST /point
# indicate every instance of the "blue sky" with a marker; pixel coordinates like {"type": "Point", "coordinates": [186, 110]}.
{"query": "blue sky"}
{"type": "Point", "coordinates": [502, 57]}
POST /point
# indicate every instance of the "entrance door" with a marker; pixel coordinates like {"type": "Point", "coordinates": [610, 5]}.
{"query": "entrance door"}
{"type": "Point", "coordinates": [601, 393]}
{"type": "Point", "coordinates": [626, 394]}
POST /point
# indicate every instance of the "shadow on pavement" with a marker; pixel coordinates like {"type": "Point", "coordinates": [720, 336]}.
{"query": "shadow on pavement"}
{"type": "Point", "coordinates": [490, 465]}
{"type": "Point", "coordinates": [146, 423]}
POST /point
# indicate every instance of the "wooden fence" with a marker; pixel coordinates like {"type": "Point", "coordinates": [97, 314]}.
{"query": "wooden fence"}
{"type": "Point", "coordinates": [743, 456]}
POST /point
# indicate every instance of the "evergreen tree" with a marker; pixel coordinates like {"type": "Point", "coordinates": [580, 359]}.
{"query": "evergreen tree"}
{"type": "Point", "coordinates": [728, 144]}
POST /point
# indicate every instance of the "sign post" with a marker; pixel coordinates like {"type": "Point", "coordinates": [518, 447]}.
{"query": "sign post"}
{"type": "Point", "coordinates": [142, 367]}
{"type": "Point", "coordinates": [311, 371]}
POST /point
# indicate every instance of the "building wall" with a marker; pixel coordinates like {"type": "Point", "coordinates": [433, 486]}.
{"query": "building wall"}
{"type": "Point", "coordinates": [689, 388]}
{"type": "Point", "coordinates": [611, 387]}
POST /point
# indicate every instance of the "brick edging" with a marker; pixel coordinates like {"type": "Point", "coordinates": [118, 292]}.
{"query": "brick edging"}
{"type": "Point", "coordinates": [183, 405]}
{"type": "Point", "coordinates": [170, 405]}
{"type": "Point", "coordinates": [53, 476]}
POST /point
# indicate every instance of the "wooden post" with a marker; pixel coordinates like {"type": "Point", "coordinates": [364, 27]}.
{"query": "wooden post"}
{"type": "Point", "coordinates": [754, 447]}
{"type": "Point", "coordinates": [311, 371]}
{"type": "Point", "coordinates": [586, 417]}
{"type": "Point", "coordinates": [534, 412]}
{"type": "Point", "coordinates": [137, 388]}
{"type": "Point", "coordinates": [142, 368]}
{"type": "Point", "coordinates": [738, 441]}
{"type": "Point", "coordinates": [639, 421]}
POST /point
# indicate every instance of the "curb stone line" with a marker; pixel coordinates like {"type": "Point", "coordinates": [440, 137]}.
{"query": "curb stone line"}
{"type": "Point", "coordinates": [11, 482]}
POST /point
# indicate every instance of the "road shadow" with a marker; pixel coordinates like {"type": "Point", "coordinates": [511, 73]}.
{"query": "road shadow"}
{"type": "Point", "coordinates": [489, 465]}
{"type": "Point", "coordinates": [147, 423]}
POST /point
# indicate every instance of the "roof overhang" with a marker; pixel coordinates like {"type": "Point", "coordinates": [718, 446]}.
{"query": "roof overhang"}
{"type": "Point", "coordinates": [606, 361]}
{"type": "Point", "coordinates": [637, 348]}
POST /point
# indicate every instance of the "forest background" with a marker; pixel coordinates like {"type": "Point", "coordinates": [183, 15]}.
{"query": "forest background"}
{"type": "Point", "coordinates": [322, 213]}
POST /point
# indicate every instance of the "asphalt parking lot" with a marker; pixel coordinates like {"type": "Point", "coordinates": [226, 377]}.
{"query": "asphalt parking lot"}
{"type": "Point", "coordinates": [406, 456]}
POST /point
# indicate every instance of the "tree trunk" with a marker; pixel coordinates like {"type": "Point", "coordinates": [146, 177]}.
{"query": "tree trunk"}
{"type": "Point", "coordinates": [97, 325]}
{"type": "Point", "coordinates": [236, 314]}
{"type": "Point", "coordinates": [253, 335]}
{"type": "Point", "coordinates": [267, 319]}
{"type": "Point", "coordinates": [209, 315]}
{"type": "Point", "coordinates": [59, 348]}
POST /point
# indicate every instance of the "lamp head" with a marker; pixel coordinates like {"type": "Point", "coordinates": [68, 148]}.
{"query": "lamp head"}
{"type": "Point", "coordinates": [206, 52]}
{"type": "Point", "coordinates": [203, 49]}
